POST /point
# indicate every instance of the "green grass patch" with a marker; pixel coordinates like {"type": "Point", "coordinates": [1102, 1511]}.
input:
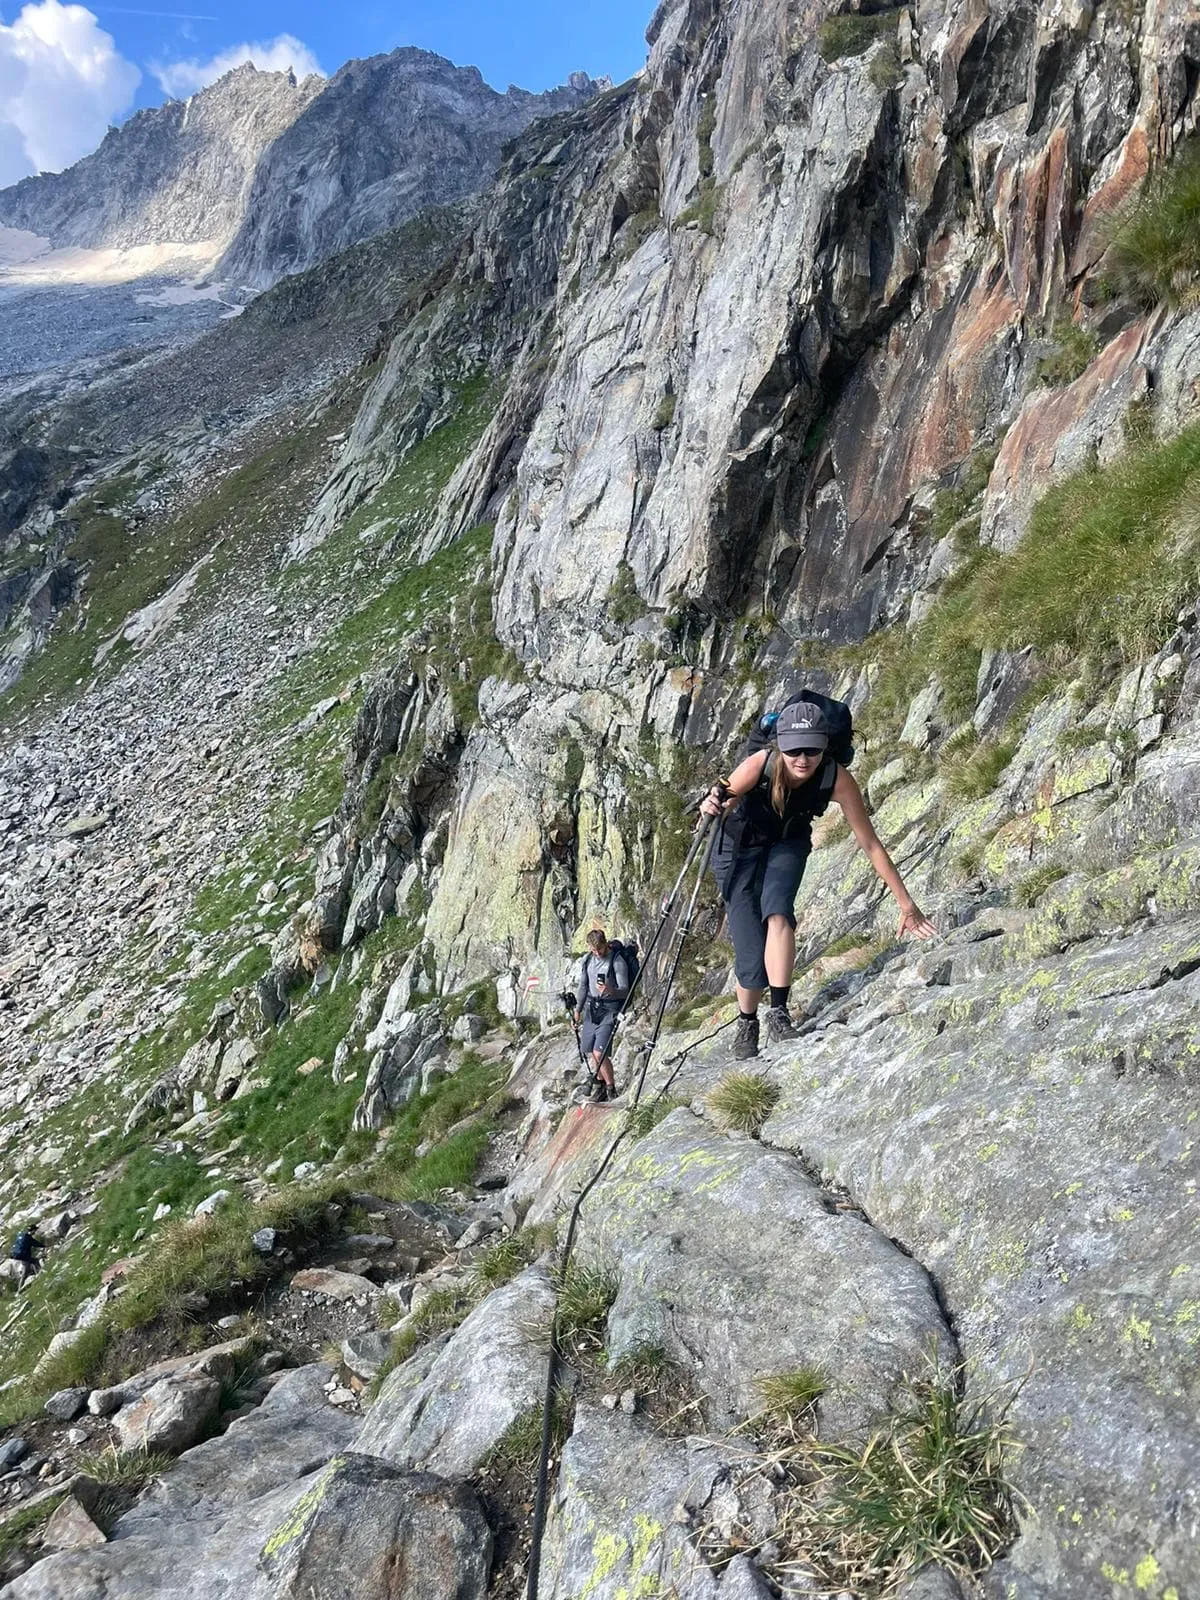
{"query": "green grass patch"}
{"type": "Point", "coordinates": [853, 34]}
{"type": "Point", "coordinates": [1073, 350]}
{"type": "Point", "coordinates": [440, 613]}
{"type": "Point", "coordinates": [471, 1092]}
{"type": "Point", "coordinates": [1155, 251]}
{"type": "Point", "coordinates": [623, 604]}
{"type": "Point", "coordinates": [1110, 556]}
{"type": "Point", "coordinates": [743, 1101]}
{"type": "Point", "coordinates": [665, 414]}
{"type": "Point", "coordinates": [300, 1116]}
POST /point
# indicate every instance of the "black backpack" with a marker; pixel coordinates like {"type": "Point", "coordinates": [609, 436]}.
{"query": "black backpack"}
{"type": "Point", "coordinates": [628, 951]}
{"type": "Point", "coordinates": [838, 719]}
{"type": "Point", "coordinates": [22, 1246]}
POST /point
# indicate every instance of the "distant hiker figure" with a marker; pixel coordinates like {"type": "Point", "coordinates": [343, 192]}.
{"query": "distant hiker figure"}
{"type": "Point", "coordinates": [604, 980]}
{"type": "Point", "coordinates": [25, 1264]}
{"type": "Point", "coordinates": [768, 807]}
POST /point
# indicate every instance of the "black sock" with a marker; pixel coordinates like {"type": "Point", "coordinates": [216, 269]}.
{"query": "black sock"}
{"type": "Point", "coordinates": [779, 996]}
{"type": "Point", "coordinates": [747, 1016]}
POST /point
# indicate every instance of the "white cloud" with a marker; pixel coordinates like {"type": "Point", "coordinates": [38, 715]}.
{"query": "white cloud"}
{"type": "Point", "coordinates": [62, 81]}
{"type": "Point", "coordinates": [182, 78]}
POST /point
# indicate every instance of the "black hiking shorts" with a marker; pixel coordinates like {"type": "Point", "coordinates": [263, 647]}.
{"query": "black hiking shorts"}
{"type": "Point", "coordinates": [599, 1025]}
{"type": "Point", "coordinates": [758, 882]}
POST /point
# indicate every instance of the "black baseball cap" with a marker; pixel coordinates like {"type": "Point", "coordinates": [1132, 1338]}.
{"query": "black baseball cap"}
{"type": "Point", "coordinates": [801, 727]}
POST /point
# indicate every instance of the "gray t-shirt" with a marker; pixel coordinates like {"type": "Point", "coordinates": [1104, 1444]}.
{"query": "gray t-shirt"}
{"type": "Point", "coordinates": [608, 968]}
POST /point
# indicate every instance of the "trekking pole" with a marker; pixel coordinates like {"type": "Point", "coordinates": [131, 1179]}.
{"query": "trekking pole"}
{"type": "Point", "coordinates": [668, 905]}
{"type": "Point", "coordinates": [681, 933]}
{"type": "Point", "coordinates": [568, 999]}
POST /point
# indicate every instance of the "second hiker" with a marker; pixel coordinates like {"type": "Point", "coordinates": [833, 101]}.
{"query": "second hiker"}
{"type": "Point", "coordinates": [767, 810]}
{"type": "Point", "coordinates": [604, 980]}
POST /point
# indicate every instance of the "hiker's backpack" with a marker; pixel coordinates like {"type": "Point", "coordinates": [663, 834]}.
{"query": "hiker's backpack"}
{"type": "Point", "coordinates": [628, 951]}
{"type": "Point", "coordinates": [22, 1246]}
{"type": "Point", "coordinates": [838, 720]}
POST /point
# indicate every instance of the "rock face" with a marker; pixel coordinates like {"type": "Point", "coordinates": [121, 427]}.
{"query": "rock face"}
{"type": "Point", "coordinates": [371, 1532]}
{"type": "Point", "coordinates": [794, 1288]}
{"type": "Point", "coordinates": [176, 173]}
{"type": "Point", "coordinates": [446, 1407]}
{"type": "Point", "coordinates": [386, 138]}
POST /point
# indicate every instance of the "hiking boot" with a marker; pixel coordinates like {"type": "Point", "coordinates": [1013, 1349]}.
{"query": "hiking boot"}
{"type": "Point", "coordinates": [599, 1092]}
{"type": "Point", "coordinates": [780, 1027]}
{"type": "Point", "coordinates": [745, 1040]}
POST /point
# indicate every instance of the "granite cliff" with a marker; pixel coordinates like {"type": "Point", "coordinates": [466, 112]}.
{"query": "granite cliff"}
{"type": "Point", "coordinates": [858, 347]}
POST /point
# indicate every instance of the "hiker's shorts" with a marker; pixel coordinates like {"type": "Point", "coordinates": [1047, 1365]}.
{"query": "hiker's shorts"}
{"type": "Point", "coordinates": [756, 883]}
{"type": "Point", "coordinates": [599, 1025]}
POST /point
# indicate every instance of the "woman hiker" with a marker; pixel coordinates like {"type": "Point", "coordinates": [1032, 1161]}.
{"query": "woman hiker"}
{"type": "Point", "coordinates": [770, 802]}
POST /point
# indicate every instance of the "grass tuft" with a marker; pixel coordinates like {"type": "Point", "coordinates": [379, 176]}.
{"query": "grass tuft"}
{"type": "Point", "coordinates": [644, 1118]}
{"type": "Point", "coordinates": [585, 1298]}
{"type": "Point", "coordinates": [789, 1398]}
{"type": "Point", "coordinates": [1072, 352]}
{"type": "Point", "coordinates": [123, 1469]}
{"type": "Point", "coordinates": [1031, 888]}
{"type": "Point", "coordinates": [1155, 251]}
{"type": "Point", "coordinates": [743, 1100]}
{"type": "Point", "coordinates": [971, 776]}
{"type": "Point", "coordinates": [645, 1366]}
{"type": "Point", "coordinates": [519, 1446]}
{"type": "Point", "coordinates": [929, 1486]}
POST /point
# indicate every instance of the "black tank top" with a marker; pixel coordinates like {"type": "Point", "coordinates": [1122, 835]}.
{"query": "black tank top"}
{"type": "Point", "coordinates": [762, 824]}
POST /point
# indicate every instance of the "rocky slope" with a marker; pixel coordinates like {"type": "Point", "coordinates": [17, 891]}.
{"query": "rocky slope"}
{"type": "Point", "coordinates": [810, 350]}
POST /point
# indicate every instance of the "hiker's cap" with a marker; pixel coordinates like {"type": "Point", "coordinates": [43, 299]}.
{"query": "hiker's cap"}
{"type": "Point", "coordinates": [802, 726]}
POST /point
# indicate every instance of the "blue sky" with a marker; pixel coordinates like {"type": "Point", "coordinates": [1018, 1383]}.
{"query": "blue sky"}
{"type": "Point", "coordinates": [532, 43]}
{"type": "Point", "coordinates": [68, 70]}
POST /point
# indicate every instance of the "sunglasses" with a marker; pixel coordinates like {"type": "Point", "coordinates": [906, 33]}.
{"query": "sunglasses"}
{"type": "Point", "coordinates": [806, 750]}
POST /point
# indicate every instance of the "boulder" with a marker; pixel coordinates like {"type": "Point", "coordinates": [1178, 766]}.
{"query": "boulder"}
{"type": "Point", "coordinates": [71, 1528]}
{"type": "Point", "coordinates": [448, 1405]}
{"type": "Point", "coordinates": [66, 1404]}
{"type": "Point", "coordinates": [628, 1503]}
{"type": "Point", "coordinates": [932, 1583]}
{"type": "Point", "coordinates": [334, 1285]}
{"type": "Point", "coordinates": [365, 1353]}
{"type": "Point", "coordinates": [369, 1531]}
{"type": "Point", "coordinates": [170, 1416]}
{"type": "Point", "coordinates": [215, 1361]}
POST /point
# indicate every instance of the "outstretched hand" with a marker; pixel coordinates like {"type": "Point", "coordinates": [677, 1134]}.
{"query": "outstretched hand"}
{"type": "Point", "coordinates": [914, 921]}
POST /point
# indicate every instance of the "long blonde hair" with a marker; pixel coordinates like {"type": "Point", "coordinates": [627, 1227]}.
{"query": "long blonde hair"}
{"type": "Point", "coordinates": [779, 783]}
